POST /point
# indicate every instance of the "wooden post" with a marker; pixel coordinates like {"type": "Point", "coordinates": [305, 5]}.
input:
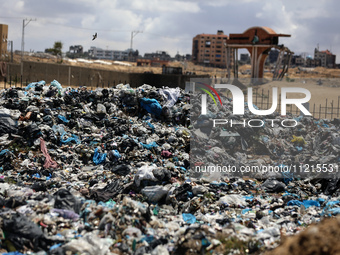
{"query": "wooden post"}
{"type": "Point", "coordinates": [326, 110]}
{"type": "Point", "coordinates": [313, 109]}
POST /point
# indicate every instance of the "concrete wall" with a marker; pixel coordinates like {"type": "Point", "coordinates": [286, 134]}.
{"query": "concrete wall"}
{"type": "Point", "coordinates": [83, 76]}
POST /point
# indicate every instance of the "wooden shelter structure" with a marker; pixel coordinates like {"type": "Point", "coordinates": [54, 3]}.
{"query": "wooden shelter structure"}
{"type": "Point", "coordinates": [258, 41]}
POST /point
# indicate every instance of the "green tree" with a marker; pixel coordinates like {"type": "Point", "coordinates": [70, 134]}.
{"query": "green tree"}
{"type": "Point", "coordinates": [56, 50]}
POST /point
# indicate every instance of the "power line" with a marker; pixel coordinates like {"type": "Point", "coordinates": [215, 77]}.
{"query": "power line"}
{"type": "Point", "coordinates": [86, 28]}
{"type": "Point", "coordinates": [102, 30]}
{"type": "Point", "coordinates": [11, 17]}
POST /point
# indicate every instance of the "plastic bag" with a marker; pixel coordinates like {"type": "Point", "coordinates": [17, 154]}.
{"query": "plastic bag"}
{"type": "Point", "coordinates": [89, 244]}
{"type": "Point", "coordinates": [189, 218]}
{"type": "Point", "coordinates": [151, 106]}
{"type": "Point", "coordinates": [98, 157]}
{"type": "Point", "coordinates": [155, 193]}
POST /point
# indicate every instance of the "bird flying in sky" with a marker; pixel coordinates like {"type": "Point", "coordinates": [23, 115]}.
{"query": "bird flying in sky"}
{"type": "Point", "coordinates": [94, 36]}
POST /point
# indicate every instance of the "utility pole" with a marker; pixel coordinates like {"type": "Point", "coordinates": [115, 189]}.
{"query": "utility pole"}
{"type": "Point", "coordinates": [133, 34]}
{"type": "Point", "coordinates": [11, 42]}
{"type": "Point", "coordinates": [24, 24]}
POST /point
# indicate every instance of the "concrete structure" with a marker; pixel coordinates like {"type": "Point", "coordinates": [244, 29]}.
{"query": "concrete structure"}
{"type": "Point", "coordinates": [159, 55]}
{"type": "Point", "coordinates": [298, 60]}
{"type": "Point", "coordinates": [310, 62]}
{"type": "Point", "coordinates": [86, 76]}
{"type": "Point", "coordinates": [75, 51]}
{"type": "Point", "coordinates": [258, 41]}
{"type": "Point", "coordinates": [326, 57]}
{"type": "Point", "coordinates": [152, 62]}
{"type": "Point", "coordinates": [244, 58]}
{"type": "Point", "coordinates": [4, 40]}
{"type": "Point", "coordinates": [209, 49]}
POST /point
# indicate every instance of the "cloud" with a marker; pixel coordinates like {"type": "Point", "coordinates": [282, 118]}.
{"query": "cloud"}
{"type": "Point", "coordinates": [162, 6]}
{"type": "Point", "coordinates": [168, 25]}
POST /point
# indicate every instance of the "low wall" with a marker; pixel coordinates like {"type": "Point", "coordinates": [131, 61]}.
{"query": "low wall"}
{"type": "Point", "coordinates": [84, 76]}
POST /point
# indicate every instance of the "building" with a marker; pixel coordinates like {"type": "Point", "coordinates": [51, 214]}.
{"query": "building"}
{"type": "Point", "coordinates": [244, 58]}
{"type": "Point", "coordinates": [273, 55]}
{"type": "Point", "coordinates": [310, 62]}
{"type": "Point", "coordinates": [75, 51]}
{"type": "Point", "coordinates": [152, 62]}
{"type": "Point", "coordinates": [4, 40]}
{"type": "Point", "coordinates": [326, 57]}
{"type": "Point", "coordinates": [159, 55]}
{"type": "Point", "coordinates": [298, 60]}
{"type": "Point", "coordinates": [209, 49]}
{"type": "Point", "coordinates": [98, 53]}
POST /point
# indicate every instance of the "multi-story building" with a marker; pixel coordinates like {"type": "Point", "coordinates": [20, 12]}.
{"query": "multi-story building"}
{"type": "Point", "coordinates": [310, 62]}
{"type": "Point", "coordinates": [3, 41]}
{"type": "Point", "coordinates": [99, 53]}
{"type": "Point", "coordinates": [326, 57]}
{"type": "Point", "coordinates": [298, 60]}
{"type": "Point", "coordinates": [210, 49]}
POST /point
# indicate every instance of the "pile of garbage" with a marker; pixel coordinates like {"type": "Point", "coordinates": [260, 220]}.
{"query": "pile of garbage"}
{"type": "Point", "coordinates": [108, 172]}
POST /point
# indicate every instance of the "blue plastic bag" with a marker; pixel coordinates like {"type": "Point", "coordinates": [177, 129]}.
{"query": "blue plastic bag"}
{"type": "Point", "coordinates": [150, 145]}
{"type": "Point", "coordinates": [189, 218]}
{"type": "Point", "coordinates": [116, 154]}
{"type": "Point", "coordinates": [62, 118]}
{"type": "Point", "coordinates": [151, 106]}
{"type": "Point", "coordinates": [98, 157]}
{"type": "Point", "coordinates": [34, 84]}
{"type": "Point", "coordinates": [305, 203]}
{"type": "Point", "coordinates": [56, 84]}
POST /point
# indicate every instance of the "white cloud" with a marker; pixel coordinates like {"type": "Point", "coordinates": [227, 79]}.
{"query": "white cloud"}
{"type": "Point", "coordinates": [168, 25]}
{"type": "Point", "coordinates": [167, 6]}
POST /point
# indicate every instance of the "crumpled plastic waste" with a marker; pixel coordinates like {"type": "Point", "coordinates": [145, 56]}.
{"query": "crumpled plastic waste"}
{"type": "Point", "coordinates": [298, 140]}
{"type": "Point", "coordinates": [109, 171]}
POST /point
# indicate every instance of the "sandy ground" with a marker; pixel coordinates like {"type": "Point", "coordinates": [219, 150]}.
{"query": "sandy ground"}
{"type": "Point", "coordinates": [319, 93]}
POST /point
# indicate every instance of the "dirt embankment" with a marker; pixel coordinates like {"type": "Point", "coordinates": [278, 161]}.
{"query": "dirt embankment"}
{"type": "Point", "coordinates": [319, 239]}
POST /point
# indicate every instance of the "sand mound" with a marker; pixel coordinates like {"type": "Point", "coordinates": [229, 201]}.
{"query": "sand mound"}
{"type": "Point", "coordinates": [323, 238]}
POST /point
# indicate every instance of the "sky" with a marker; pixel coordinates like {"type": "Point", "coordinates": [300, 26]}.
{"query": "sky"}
{"type": "Point", "coordinates": [168, 25]}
